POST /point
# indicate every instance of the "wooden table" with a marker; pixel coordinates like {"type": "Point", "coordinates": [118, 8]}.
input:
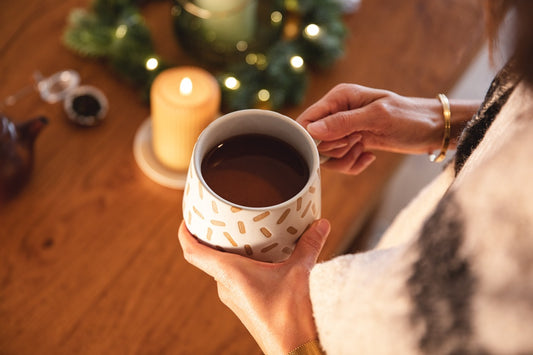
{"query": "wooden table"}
{"type": "Point", "coordinates": [89, 259]}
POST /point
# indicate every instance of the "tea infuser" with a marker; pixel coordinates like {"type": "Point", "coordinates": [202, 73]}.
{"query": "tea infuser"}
{"type": "Point", "coordinates": [84, 105]}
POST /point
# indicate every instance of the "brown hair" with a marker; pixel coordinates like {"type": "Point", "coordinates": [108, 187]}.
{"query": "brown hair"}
{"type": "Point", "coordinates": [523, 27]}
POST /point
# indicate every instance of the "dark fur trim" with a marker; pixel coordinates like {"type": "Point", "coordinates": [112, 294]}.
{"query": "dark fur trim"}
{"type": "Point", "coordinates": [442, 284]}
{"type": "Point", "coordinates": [500, 89]}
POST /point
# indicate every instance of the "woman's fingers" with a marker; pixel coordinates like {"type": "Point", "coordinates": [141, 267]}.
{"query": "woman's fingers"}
{"type": "Point", "coordinates": [354, 162]}
{"type": "Point", "coordinates": [343, 123]}
{"type": "Point", "coordinates": [343, 97]}
{"type": "Point", "coordinates": [207, 259]}
{"type": "Point", "coordinates": [344, 163]}
{"type": "Point", "coordinates": [364, 161]}
{"type": "Point", "coordinates": [339, 148]}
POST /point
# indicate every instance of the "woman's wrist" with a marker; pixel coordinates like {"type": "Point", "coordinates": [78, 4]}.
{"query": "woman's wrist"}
{"type": "Point", "coordinates": [462, 111]}
{"type": "Point", "coordinates": [303, 329]}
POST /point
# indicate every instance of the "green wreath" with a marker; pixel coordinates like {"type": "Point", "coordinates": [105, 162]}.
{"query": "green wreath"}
{"type": "Point", "coordinates": [311, 35]}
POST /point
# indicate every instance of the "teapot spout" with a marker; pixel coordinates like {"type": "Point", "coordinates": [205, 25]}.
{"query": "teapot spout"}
{"type": "Point", "coordinates": [29, 130]}
{"type": "Point", "coordinates": [37, 124]}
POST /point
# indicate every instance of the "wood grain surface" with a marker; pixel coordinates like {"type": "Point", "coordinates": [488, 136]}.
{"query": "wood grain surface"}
{"type": "Point", "coordinates": [89, 259]}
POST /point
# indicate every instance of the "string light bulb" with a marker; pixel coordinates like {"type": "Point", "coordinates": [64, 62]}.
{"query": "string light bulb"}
{"type": "Point", "coordinates": [251, 58]}
{"type": "Point", "coordinates": [152, 63]}
{"type": "Point", "coordinates": [297, 62]}
{"type": "Point", "coordinates": [232, 83]}
{"type": "Point", "coordinates": [312, 30]}
{"type": "Point", "coordinates": [241, 46]}
{"type": "Point", "coordinates": [121, 31]}
{"type": "Point", "coordinates": [262, 62]}
{"type": "Point", "coordinates": [276, 17]}
{"type": "Point", "coordinates": [263, 95]}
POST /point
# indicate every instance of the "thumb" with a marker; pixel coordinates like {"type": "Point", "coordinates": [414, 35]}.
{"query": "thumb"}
{"type": "Point", "coordinates": [311, 242]}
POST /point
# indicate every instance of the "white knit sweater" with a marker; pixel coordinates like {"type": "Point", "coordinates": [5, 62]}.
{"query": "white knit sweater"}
{"type": "Point", "coordinates": [454, 272]}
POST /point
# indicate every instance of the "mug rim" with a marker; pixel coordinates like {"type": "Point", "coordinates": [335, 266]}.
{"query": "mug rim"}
{"type": "Point", "coordinates": [312, 169]}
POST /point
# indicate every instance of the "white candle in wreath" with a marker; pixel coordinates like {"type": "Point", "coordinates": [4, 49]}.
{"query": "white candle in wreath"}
{"type": "Point", "coordinates": [229, 21]}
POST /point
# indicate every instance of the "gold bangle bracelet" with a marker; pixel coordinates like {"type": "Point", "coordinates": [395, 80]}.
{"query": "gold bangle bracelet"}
{"type": "Point", "coordinates": [447, 113]}
{"type": "Point", "coordinates": [310, 348]}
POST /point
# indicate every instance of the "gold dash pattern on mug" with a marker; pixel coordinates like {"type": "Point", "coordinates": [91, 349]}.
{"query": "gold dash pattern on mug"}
{"type": "Point", "coordinates": [313, 209]}
{"type": "Point", "coordinates": [235, 209]}
{"type": "Point", "coordinates": [214, 206]}
{"type": "Point", "coordinates": [265, 232]}
{"type": "Point", "coordinates": [269, 247]}
{"type": "Point", "coordinates": [230, 239]}
{"type": "Point", "coordinates": [248, 249]}
{"type": "Point", "coordinates": [200, 190]}
{"type": "Point", "coordinates": [286, 250]}
{"type": "Point", "coordinates": [261, 216]}
{"type": "Point", "coordinates": [298, 204]}
{"type": "Point", "coordinates": [209, 233]}
{"type": "Point", "coordinates": [283, 216]}
{"type": "Point", "coordinates": [242, 229]}
{"type": "Point", "coordinates": [306, 209]}
{"type": "Point", "coordinates": [197, 212]}
{"type": "Point", "coordinates": [189, 217]}
{"type": "Point", "coordinates": [218, 223]}
{"type": "Point", "coordinates": [187, 189]}
{"type": "Point", "coordinates": [292, 230]}
{"type": "Point", "coordinates": [312, 189]}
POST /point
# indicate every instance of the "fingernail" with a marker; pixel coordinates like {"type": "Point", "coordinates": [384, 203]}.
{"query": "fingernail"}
{"type": "Point", "coordinates": [317, 127]}
{"type": "Point", "coordinates": [322, 227]}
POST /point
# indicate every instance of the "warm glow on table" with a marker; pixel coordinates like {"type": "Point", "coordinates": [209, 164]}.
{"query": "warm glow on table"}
{"type": "Point", "coordinates": [183, 102]}
{"type": "Point", "coordinates": [89, 258]}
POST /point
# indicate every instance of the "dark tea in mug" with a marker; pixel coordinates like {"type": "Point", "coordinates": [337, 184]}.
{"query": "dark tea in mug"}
{"type": "Point", "coordinates": [255, 170]}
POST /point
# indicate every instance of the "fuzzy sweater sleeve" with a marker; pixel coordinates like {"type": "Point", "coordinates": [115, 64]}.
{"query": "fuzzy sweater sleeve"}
{"type": "Point", "coordinates": [464, 283]}
{"type": "Point", "coordinates": [359, 303]}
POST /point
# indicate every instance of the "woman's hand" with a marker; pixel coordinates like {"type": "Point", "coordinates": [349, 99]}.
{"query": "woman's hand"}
{"type": "Point", "coordinates": [271, 300]}
{"type": "Point", "coordinates": [352, 119]}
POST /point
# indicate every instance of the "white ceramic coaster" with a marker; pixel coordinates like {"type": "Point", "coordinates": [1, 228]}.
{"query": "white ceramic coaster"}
{"type": "Point", "coordinates": [148, 163]}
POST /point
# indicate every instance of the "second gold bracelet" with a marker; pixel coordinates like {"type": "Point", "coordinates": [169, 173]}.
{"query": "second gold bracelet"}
{"type": "Point", "coordinates": [447, 129]}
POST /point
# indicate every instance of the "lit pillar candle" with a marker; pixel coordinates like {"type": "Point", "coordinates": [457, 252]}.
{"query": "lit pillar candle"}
{"type": "Point", "coordinates": [231, 20]}
{"type": "Point", "coordinates": [183, 102]}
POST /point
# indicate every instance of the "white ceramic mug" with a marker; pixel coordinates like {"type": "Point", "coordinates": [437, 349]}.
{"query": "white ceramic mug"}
{"type": "Point", "coordinates": [262, 233]}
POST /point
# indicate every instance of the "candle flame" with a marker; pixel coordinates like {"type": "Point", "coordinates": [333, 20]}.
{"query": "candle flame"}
{"type": "Point", "coordinates": [186, 86]}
